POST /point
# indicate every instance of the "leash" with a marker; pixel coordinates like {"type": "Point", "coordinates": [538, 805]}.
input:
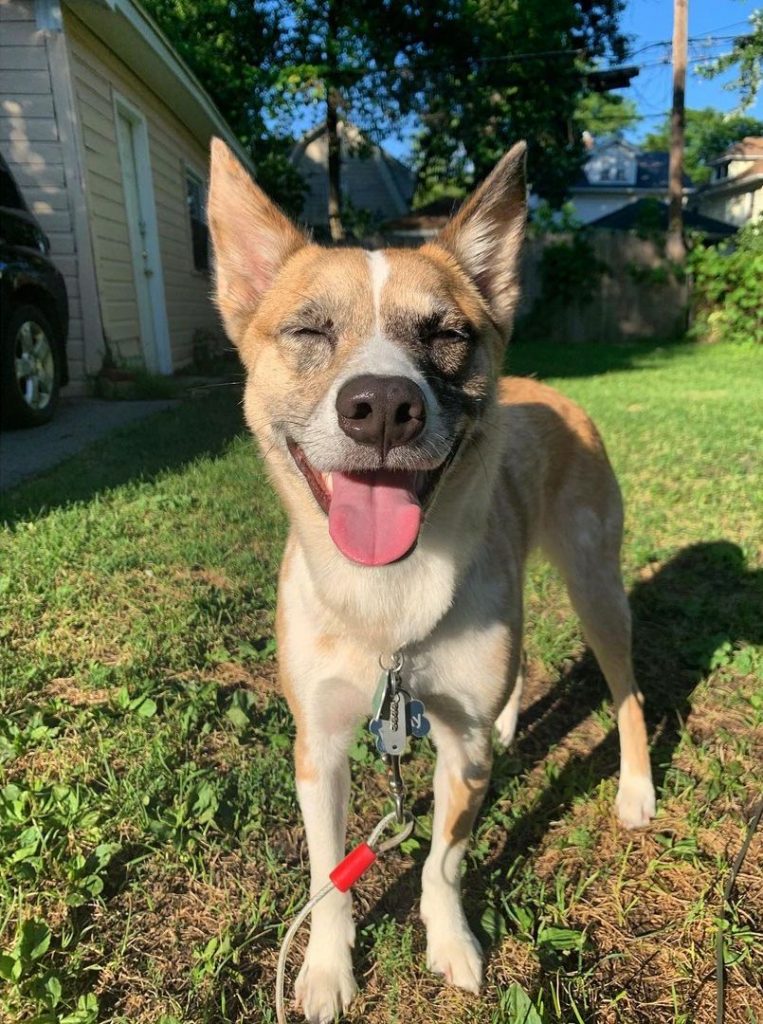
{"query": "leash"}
{"type": "Point", "coordinates": [397, 716]}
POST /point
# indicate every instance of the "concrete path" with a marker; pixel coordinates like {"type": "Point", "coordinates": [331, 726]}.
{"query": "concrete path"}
{"type": "Point", "coordinates": [77, 423]}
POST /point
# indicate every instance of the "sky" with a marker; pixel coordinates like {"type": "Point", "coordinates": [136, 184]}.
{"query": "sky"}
{"type": "Point", "coordinates": [651, 21]}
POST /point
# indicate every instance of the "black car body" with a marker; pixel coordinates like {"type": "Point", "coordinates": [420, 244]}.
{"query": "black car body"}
{"type": "Point", "coordinates": [34, 314]}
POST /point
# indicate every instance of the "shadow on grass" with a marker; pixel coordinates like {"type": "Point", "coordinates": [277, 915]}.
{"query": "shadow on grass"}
{"type": "Point", "coordinates": [138, 452]}
{"type": "Point", "coordinates": [704, 596]}
{"type": "Point", "coordinates": [587, 359]}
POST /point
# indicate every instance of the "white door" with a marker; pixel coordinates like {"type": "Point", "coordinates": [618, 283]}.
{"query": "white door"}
{"type": "Point", "coordinates": [132, 142]}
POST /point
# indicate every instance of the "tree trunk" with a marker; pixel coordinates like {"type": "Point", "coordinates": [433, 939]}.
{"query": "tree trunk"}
{"type": "Point", "coordinates": [332, 126]}
{"type": "Point", "coordinates": [675, 248]}
{"type": "Point", "coordinates": [334, 167]}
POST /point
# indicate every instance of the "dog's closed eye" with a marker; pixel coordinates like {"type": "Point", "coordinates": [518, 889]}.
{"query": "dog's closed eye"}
{"type": "Point", "coordinates": [450, 334]}
{"type": "Point", "coordinates": [306, 332]}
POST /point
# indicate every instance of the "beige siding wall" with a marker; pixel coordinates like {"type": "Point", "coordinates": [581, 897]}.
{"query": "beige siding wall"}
{"type": "Point", "coordinates": [30, 142]}
{"type": "Point", "coordinates": [98, 74]}
{"type": "Point", "coordinates": [733, 207]}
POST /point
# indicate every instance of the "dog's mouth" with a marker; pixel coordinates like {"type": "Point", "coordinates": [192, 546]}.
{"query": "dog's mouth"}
{"type": "Point", "coordinates": [374, 516]}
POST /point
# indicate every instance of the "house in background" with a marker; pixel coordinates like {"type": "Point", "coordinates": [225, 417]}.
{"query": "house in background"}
{"type": "Point", "coordinates": [735, 193]}
{"type": "Point", "coordinates": [107, 134]}
{"type": "Point", "coordinates": [617, 173]}
{"type": "Point", "coordinates": [372, 180]}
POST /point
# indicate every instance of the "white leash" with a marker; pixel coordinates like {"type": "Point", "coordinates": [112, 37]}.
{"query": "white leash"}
{"type": "Point", "coordinates": [344, 875]}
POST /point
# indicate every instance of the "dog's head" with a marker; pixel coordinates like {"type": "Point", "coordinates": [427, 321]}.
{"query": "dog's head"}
{"type": "Point", "coordinates": [366, 371]}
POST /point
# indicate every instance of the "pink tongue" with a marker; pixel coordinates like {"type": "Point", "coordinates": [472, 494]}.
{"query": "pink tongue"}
{"type": "Point", "coordinates": [374, 518]}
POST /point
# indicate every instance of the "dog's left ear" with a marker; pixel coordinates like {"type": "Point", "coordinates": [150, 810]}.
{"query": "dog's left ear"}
{"type": "Point", "coordinates": [252, 240]}
{"type": "Point", "coordinates": [486, 234]}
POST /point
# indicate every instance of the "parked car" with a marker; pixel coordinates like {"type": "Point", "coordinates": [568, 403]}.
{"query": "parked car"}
{"type": "Point", "coordinates": [34, 314]}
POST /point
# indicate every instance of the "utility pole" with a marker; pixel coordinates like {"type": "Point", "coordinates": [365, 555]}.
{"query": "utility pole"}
{"type": "Point", "coordinates": [675, 248]}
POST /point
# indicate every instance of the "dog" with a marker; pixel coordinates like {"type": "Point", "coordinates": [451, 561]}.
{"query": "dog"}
{"type": "Point", "coordinates": [416, 481]}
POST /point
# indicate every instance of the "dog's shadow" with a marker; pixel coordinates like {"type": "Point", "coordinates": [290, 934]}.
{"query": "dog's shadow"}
{"type": "Point", "coordinates": [702, 598]}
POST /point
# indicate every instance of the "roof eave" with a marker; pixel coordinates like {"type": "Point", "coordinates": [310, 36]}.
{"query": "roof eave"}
{"type": "Point", "coordinates": [740, 184]}
{"type": "Point", "coordinates": [627, 190]}
{"type": "Point", "coordinates": [138, 41]}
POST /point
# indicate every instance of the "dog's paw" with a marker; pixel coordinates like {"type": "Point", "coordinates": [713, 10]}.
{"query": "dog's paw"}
{"type": "Point", "coordinates": [325, 987]}
{"type": "Point", "coordinates": [635, 801]}
{"type": "Point", "coordinates": [457, 956]}
{"type": "Point", "coordinates": [506, 723]}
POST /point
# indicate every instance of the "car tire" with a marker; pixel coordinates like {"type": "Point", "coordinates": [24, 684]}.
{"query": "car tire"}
{"type": "Point", "coordinates": [30, 368]}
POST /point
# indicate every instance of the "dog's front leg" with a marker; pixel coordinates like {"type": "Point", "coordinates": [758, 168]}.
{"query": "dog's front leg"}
{"type": "Point", "coordinates": [325, 985]}
{"type": "Point", "coordinates": [460, 781]}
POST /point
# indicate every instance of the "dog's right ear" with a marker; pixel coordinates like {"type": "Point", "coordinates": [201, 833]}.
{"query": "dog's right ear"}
{"type": "Point", "coordinates": [486, 235]}
{"type": "Point", "coordinates": [252, 240]}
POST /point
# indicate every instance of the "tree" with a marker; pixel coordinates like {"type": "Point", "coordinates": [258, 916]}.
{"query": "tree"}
{"type": "Point", "coordinates": [355, 60]}
{"type": "Point", "coordinates": [474, 76]}
{"type": "Point", "coordinates": [602, 113]}
{"type": "Point", "coordinates": [232, 46]}
{"type": "Point", "coordinates": [509, 70]}
{"type": "Point", "coordinates": [444, 64]}
{"type": "Point", "coordinates": [747, 56]}
{"type": "Point", "coordinates": [708, 133]}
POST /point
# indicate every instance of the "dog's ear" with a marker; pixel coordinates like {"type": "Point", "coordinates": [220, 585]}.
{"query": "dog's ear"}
{"type": "Point", "coordinates": [252, 239]}
{"type": "Point", "coordinates": [486, 234]}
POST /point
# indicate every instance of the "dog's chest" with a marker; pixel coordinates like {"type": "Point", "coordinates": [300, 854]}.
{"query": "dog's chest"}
{"type": "Point", "coordinates": [457, 640]}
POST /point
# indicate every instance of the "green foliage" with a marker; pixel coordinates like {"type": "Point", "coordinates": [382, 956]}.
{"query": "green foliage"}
{"type": "Point", "coordinates": [548, 221]}
{"type": "Point", "coordinates": [488, 88]}
{"type": "Point", "coordinates": [234, 48]}
{"type": "Point", "coordinates": [605, 113]}
{"type": "Point", "coordinates": [708, 133]}
{"type": "Point", "coordinates": [728, 288]}
{"type": "Point", "coordinates": [441, 66]}
{"type": "Point", "coordinates": [570, 271]}
{"type": "Point", "coordinates": [747, 56]}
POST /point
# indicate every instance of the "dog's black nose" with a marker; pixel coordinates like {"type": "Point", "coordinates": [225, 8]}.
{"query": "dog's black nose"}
{"type": "Point", "coordinates": [383, 412]}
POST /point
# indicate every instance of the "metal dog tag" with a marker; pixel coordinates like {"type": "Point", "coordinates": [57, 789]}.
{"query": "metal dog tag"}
{"type": "Point", "coordinates": [417, 723]}
{"type": "Point", "coordinates": [389, 723]}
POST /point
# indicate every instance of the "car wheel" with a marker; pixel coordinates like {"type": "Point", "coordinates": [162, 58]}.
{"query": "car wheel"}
{"type": "Point", "coordinates": [30, 369]}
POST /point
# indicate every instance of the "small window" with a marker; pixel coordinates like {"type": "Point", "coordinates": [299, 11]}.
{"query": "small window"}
{"type": "Point", "coordinates": [197, 211]}
{"type": "Point", "coordinates": [604, 174]}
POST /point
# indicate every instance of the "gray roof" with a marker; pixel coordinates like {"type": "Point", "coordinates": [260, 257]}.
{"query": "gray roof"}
{"type": "Point", "coordinates": [645, 213]}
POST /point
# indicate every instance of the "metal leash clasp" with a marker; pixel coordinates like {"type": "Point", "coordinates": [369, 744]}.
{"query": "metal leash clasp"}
{"type": "Point", "coordinates": [396, 785]}
{"type": "Point", "coordinates": [396, 718]}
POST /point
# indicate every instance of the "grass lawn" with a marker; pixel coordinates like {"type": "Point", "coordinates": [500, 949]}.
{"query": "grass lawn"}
{"type": "Point", "coordinates": [150, 844]}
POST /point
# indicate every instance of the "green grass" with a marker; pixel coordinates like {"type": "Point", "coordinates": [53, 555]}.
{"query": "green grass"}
{"type": "Point", "coordinates": [150, 845]}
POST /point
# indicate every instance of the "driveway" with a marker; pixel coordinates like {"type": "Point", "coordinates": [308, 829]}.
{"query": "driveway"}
{"type": "Point", "coordinates": [77, 423]}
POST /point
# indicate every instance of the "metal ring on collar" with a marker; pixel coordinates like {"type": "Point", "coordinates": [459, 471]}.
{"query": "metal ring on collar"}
{"type": "Point", "coordinates": [395, 662]}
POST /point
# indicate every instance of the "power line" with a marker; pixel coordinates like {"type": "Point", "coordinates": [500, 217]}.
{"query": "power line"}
{"type": "Point", "coordinates": [709, 39]}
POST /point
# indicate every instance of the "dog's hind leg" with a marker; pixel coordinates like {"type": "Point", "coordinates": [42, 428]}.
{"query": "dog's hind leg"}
{"type": "Point", "coordinates": [460, 781]}
{"type": "Point", "coordinates": [583, 539]}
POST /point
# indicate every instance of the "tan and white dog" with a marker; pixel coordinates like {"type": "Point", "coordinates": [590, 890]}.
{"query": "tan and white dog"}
{"type": "Point", "coordinates": [416, 481]}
